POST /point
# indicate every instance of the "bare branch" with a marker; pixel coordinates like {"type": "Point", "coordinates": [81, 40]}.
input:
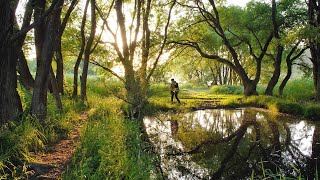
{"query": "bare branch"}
{"type": "Point", "coordinates": [208, 56]}
{"type": "Point", "coordinates": [107, 69]}
{"type": "Point", "coordinates": [23, 31]}
{"type": "Point", "coordinates": [163, 43]}
{"type": "Point", "coordinates": [67, 16]}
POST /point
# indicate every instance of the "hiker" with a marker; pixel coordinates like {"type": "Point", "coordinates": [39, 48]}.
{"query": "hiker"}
{"type": "Point", "coordinates": [174, 89]}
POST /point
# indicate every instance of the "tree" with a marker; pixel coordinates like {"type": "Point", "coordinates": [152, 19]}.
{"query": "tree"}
{"type": "Point", "coordinates": [25, 76]}
{"type": "Point", "coordinates": [314, 22]}
{"type": "Point", "coordinates": [143, 52]}
{"type": "Point", "coordinates": [59, 57]}
{"type": "Point", "coordinates": [88, 51]}
{"type": "Point", "coordinates": [10, 104]}
{"type": "Point", "coordinates": [287, 16]}
{"type": "Point", "coordinates": [250, 28]}
{"type": "Point", "coordinates": [290, 58]}
{"type": "Point", "coordinates": [45, 39]}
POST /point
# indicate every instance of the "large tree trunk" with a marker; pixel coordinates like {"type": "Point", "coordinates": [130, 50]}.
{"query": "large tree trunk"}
{"type": "Point", "coordinates": [276, 73]}
{"type": "Point", "coordinates": [250, 87]}
{"type": "Point", "coordinates": [315, 58]}
{"type": "Point", "coordinates": [87, 52]}
{"type": "Point", "coordinates": [25, 76]}
{"type": "Point", "coordinates": [39, 98]}
{"type": "Point", "coordinates": [314, 20]}
{"type": "Point", "coordinates": [10, 104]}
{"type": "Point", "coordinates": [136, 92]}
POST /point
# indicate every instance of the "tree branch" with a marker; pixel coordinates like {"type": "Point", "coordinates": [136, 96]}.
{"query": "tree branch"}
{"type": "Point", "coordinates": [107, 69]}
{"type": "Point", "coordinates": [163, 43]}
{"type": "Point", "coordinates": [22, 32]}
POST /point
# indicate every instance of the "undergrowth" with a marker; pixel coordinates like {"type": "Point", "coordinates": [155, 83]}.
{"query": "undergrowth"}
{"type": "Point", "coordinates": [27, 134]}
{"type": "Point", "coordinates": [111, 146]}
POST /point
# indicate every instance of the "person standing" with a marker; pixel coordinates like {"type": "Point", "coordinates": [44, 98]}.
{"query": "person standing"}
{"type": "Point", "coordinates": [174, 89]}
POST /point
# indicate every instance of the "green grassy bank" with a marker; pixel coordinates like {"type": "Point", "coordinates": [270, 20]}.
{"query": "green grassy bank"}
{"type": "Point", "coordinates": [18, 139]}
{"type": "Point", "coordinates": [111, 146]}
{"type": "Point", "coordinates": [298, 99]}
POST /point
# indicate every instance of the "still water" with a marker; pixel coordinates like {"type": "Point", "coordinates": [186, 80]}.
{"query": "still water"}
{"type": "Point", "coordinates": [234, 144]}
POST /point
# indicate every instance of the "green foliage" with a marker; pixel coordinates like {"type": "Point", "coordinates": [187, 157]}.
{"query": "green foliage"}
{"type": "Point", "coordinates": [111, 146]}
{"type": "Point", "coordinates": [290, 108]}
{"type": "Point", "coordinates": [312, 111]}
{"type": "Point", "coordinates": [226, 89]}
{"type": "Point", "coordinates": [19, 138]}
{"type": "Point", "coordinates": [299, 90]}
{"type": "Point", "coordinates": [194, 85]}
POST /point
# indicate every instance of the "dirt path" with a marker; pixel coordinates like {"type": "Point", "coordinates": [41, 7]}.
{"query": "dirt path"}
{"type": "Point", "coordinates": [52, 164]}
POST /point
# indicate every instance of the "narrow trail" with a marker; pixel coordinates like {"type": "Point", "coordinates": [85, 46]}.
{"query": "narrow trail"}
{"type": "Point", "coordinates": [52, 163]}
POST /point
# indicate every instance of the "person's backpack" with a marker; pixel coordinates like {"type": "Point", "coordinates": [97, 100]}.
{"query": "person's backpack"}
{"type": "Point", "coordinates": [176, 87]}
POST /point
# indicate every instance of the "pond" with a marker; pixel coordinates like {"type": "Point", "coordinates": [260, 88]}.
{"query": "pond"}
{"type": "Point", "coordinates": [234, 144]}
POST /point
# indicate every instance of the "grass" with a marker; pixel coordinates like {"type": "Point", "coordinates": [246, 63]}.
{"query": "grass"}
{"type": "Point", "coordinates": [111, 146]}
{"type": "Point", "coordinates": [296, 100]}
{"type": "Point", "coordinates": [20, 138]}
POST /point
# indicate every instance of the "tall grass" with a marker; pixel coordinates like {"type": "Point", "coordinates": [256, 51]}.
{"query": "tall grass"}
{"type": "Point", "coordinates": [27, 134]}
{"type": "Point", "coordinates": [111, 146]}
{"type": "Point", "coordinates": [18, 139]}
{"type": "Point", "coordinates": [299, 90]}
{"type": "Point", "coordinates": [226, 89]}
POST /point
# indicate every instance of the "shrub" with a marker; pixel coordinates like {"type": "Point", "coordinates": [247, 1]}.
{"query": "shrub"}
{"type": "Point", "coordinates": [299, 90]}
{"type": "Point", "coordinates": [226, 89]}
{"type": "Point", "coordinates": [290, 108]}
{"type": "Point", "coordinates": [312, 111]}
{"type": "Point", "coordinates": [193, 85]}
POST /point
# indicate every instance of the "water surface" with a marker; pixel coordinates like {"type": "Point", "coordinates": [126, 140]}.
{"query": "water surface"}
{"type": "Point", "coordinates": [234, 144]}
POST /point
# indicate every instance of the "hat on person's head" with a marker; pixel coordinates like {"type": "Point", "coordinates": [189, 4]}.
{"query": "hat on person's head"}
{"type": "Point", "coordinates": [172, 79]}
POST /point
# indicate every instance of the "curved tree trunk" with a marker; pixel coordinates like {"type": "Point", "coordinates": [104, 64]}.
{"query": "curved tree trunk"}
{"type": "Point", "coordinates": [276, 73]}
{"type": "Point", "coordinates": [286, 79]}
{"type": "Point", "coordinates": [25, 76]}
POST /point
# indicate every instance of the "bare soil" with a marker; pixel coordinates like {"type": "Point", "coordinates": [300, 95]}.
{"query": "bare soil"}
{"type": "Point", "coordinates": [51, 164]}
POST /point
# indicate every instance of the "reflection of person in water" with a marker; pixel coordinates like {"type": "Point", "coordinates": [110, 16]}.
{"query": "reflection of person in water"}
{"type": "Point", "coordinates": [174, 89]}
{"type": "Point", "coordinates": [174, 127]}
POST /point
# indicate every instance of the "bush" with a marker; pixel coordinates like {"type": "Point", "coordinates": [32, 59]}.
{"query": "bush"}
{"type": "Point", "coordinates": [290, 108]}
{"type": "Point", "coordinates": [193, 85]}
{"type": "Point", "coordinates": [299, 90]}
{"type": "Point", "coordinates": [226, 89]}
{"type": "Point", "coordinates": [312, 111]}
{"type": "Point", "coordinates": [275, 104]}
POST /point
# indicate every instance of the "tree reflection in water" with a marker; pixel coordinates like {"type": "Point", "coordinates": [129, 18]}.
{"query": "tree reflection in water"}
{"type": "Point", "coordinates": [230, 144]}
